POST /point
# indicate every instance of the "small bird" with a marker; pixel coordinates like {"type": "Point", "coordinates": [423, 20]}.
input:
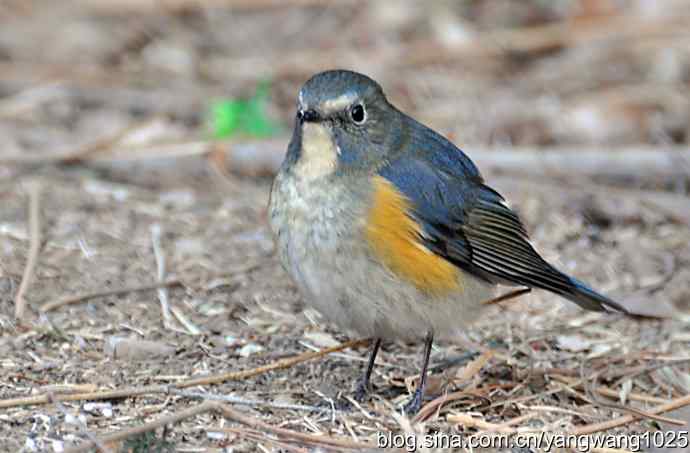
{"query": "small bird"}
{"type": "Point", "coordinates": [389, 230]}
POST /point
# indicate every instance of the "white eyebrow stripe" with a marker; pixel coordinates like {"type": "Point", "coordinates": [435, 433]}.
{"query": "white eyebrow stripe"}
{"type": "Point", "coordinates": [339, 103]}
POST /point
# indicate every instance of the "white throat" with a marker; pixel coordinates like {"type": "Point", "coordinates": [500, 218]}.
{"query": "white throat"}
{"type": "Point", "coordinates": [319, 152]}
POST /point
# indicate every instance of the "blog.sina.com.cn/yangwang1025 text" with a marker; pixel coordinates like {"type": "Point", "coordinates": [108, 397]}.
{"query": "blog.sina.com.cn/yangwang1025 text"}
{"type": "Point", "coordinates": [541, 440]}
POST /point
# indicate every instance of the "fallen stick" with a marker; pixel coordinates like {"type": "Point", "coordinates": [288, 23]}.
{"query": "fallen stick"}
{"type": "Point", "coordinates": [71, 155]}
{"type": "Point", "coordinates": [146, 427]}
{"type": "Point", "coordinates": [605, 391]}
{"type": "Point", "coordinates": [626, 162]}
{"type": "Point", "coordinates": [625, 419]}
{"type": "Point", "coordinates": [260, 437]}
{"type": "Point", "coordinates": [434, 405]}
{"type": "Point", "coordinates": [280, 364]}
{"type": "Point", "coordinates": [160, 272]}
{"type": "Point", "coordinates": [590, 381]}
{"type": "Point", "coordinates": [205, 396]}
{"type": "Point", "coordinates": [205, 380]}
{"type": "Point", "coordinates": [98, 395]}
{"type": "Point", "coordinates": [225, 411]}
{"type": "Point", "coordinates": [268, 155]}
{"type": "Point", "coordinates": [265, 156]}
{"type": "Point", "coordinates": [77, 298]}
{"type": "Point", "coordinates": [83, 297]}
{"type": "Point", "coordinates": [34, 249]}
{"type": "Point", "coordinates": [252, 422]}
{"type": "Point", "coordinates": [471, 422]}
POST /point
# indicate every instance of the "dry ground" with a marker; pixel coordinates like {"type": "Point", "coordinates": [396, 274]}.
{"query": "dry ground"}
{"type": "Point", "coordinates": [85, 79]}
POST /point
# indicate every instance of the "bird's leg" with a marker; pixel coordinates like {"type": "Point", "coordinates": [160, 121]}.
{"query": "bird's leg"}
{"type": "Point", "coordinates": [363, 384]}
{"type": "Point", "coordinates": [413, 406]}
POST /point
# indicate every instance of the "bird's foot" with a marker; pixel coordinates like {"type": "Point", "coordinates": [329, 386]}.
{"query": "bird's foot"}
{"type": "Point", "coordinates": [343, 405]}
{"type": "Point", "coordinates": [361, 391]}
{"type": "Point", "coordinates": [415, 404]}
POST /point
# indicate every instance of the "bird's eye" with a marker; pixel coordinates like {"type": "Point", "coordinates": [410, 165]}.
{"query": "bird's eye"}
{"type": "Point", "coordinates": [358, 114]}
{"type": "Point", "coordinates": [300, 114]}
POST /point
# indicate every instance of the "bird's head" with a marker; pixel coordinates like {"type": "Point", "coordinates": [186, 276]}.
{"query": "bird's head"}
{"type": "Point", "coordinates": [344, 123]}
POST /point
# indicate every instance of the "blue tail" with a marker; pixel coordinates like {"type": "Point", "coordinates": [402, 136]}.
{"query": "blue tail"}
{"type": "Point", "coordinates": [589, 299]}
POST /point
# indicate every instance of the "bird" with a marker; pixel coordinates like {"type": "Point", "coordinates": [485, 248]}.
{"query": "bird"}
{"type": "Point", "coordinates": [390, 231]}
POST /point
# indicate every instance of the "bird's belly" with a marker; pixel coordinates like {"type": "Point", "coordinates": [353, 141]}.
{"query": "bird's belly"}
{"type": "Point", "coordinates": [315, 238]}
{"type": "Point", "coordinates": [321, 244]}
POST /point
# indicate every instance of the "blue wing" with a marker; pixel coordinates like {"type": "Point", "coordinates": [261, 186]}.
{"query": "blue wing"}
{"type": "Point", "coordinates": [470, 225]}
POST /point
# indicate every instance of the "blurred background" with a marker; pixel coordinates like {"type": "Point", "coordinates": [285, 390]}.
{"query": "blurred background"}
{"type": "Point", "coordinates": [138, 139]}
{"type": "Point", "coordinates": [489, 72]}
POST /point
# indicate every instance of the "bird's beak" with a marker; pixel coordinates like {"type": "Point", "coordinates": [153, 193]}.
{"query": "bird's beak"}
{"type": "Point", "coordinates": [308, 116]}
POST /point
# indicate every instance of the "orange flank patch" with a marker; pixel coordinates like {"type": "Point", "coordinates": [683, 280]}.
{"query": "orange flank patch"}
{"type": "Point", "coordinates": [395, 239]}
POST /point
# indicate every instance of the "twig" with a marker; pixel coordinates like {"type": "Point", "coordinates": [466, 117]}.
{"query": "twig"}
{"type": "Point", "coordinates": [146, 427]}
{"type": "Point", "coordinates": [83, 297]}
{"type": "Point", "coordinates": [175, 150]}
{"type": "Point", "coordinates": [34, 248]}
{"type": "Point", "coordinates": [522, 399]}
{"type": "Point", "coordinates": [77, 298]}
{"type": "Point", "coordinates": [68, 388]}
{"type": "Point", "coordinates": [603, 426]}
{"type": "Point", "coordinates": [541, 408]}
{"type": "Point", "coordinates": [160, 269]}
{"type": "Point", "coordinates": [186, 322]}
{"type": "Point", "coordinates": [258, 436]}
{"type": "Point", "coordinates": [650, 368]}
{"type": "Point", "coordinates": [72, 155]}
{"type": "Point", "coordinates": [280, 364]}
{"type": "Point", "coordinates": [586, 161]}
{"type": "Point", "coordinates": [205, 380]}
{"type": "Point", "coordinates": [605, 391]}
{"type": "Point", "coordinates": [471, 422]}
{"type": "Point", "coordinates": [244, 402]}
{"type": "Point", "coordinates": [437, 403]}
{"type": "Point", "coordinates": [591, 382]}
{"type": "Point", "coordinates": [466, 374]}
{"type": "Point", "coordinates": [474, 367]}
{"type": "Point", "coordinates": [127, 392]}
{"type": "Point", "coordinates": [514, 160]}
{"type": "Point", "coordinates": [508, 296]}
{"type": "Point", "coordinates": [304, 437]}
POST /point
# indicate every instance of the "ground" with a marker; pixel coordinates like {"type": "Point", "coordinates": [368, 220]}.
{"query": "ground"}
{"type": "Point", "coordinates": [112, 79]}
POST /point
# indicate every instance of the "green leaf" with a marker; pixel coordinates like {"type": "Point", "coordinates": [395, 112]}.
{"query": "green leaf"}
{"type": "Point", "coordinates": [233, 117]}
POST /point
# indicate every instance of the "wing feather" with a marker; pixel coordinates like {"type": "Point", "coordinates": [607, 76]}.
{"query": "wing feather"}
{"type": "Point", "coordinates": [470, 225]}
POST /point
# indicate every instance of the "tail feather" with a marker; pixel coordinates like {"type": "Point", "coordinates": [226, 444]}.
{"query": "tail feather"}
{"type": "Point", "coordinates": [589, 299]}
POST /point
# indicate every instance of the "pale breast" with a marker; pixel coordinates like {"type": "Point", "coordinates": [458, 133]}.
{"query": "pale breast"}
{"type": "Point", "coordinates": [312, 225]}
{"type": "Point", "coordinates": [322, 244]}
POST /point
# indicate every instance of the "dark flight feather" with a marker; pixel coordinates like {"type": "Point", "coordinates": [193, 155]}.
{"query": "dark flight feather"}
{"type": "Point", "coordinates": [469, 224]}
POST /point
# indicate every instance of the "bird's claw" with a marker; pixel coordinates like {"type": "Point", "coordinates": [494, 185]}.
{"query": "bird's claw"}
{"type": "Point", "coordinates": [415, 404]}
{"type": "Point", "coordinates": [361, 391]}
